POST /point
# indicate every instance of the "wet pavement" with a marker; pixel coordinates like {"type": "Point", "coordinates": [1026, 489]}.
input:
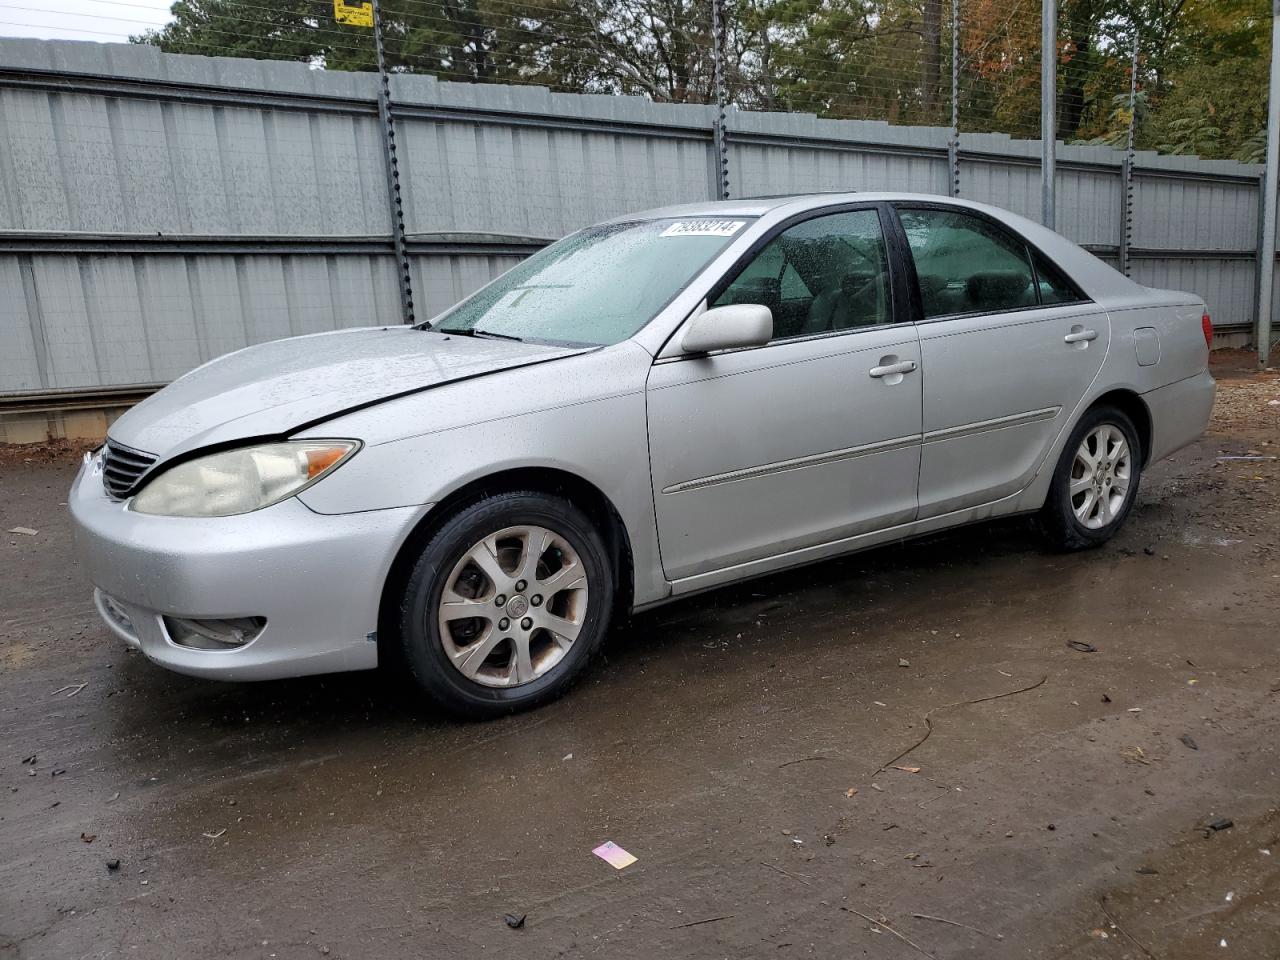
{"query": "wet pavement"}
{"type": "Point", "coordinates": [744, 746]}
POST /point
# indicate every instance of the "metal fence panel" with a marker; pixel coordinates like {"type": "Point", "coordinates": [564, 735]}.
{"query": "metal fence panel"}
{"type": "Point", "coordinates": [20, 361]}
{"type": "Point", "coordinates": [1181, 213]}
{"type": "Point", "coordinates": [1013, 186]}
{"type": "Point", "coordinates": [159, 210]}
{"type": "Point", "coordinates": [446, 279]}
{"type": "Point", "coordinates": [1227, 286]}
{"type": "Point", "coordinates": [1091, 209]}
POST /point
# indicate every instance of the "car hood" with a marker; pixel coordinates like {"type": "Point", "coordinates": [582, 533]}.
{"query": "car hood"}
{"type": "Point", "coordinates": [277, 388]}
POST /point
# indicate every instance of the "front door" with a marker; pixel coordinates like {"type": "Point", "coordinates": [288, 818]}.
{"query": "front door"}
{"type": "Point", "coordinates": [811, 438]}
{"type": "Point", "coordinates": [1009, 348]}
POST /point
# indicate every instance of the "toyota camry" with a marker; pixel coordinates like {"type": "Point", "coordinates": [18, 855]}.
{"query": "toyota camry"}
{"type": "Point", "coordinates": [650, 407]}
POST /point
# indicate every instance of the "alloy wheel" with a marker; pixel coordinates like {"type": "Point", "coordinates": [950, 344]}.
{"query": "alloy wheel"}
{"type": "Point", "coordinates": [1100, 476]}
{"type": "Point", "coordinates": [513, 606]}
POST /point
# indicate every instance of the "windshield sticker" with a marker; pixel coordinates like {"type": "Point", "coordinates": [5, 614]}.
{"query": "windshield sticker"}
{"type": "Point", "coordinates": [703, 228]}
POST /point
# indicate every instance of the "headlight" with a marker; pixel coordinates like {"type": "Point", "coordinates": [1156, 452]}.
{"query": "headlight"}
{"type": "Point", "coordinates": [238, 481]}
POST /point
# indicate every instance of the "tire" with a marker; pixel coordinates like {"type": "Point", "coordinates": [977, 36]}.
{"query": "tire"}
{"type": "Point", "coordinates": [509, 639]}
{"type": "Point", "coordinates": [1090, 517]}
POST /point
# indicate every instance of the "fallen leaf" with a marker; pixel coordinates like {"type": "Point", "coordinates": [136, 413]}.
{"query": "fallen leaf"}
{"type": "Point", "coordinates": [1134, 755]}
{"type": "Point", "coordinates": [88, 837]}
{"type": "Point", "coordinates": [852, 791]}
{"type": "Point", "coordinates": [907, 769]}
{"type": "Point", "coordinates": [25, 531]}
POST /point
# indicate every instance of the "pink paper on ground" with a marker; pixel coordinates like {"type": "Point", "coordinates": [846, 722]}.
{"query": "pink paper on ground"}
{"type": "Point", "coordinates": [614, 855]}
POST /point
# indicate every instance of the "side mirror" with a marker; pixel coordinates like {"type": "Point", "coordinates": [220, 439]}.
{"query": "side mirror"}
{"type": "Point", "coordinates": [723, 328]}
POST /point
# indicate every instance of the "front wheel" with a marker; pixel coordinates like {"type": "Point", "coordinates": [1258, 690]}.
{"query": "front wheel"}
{"type": "Point", "coordinates": [507, 604]}
{"type": "Point", "coordinates": [1095, 482]}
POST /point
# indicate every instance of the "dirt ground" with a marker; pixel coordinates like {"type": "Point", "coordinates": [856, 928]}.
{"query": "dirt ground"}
{"type": "Point", "coordinates": [744, 746]}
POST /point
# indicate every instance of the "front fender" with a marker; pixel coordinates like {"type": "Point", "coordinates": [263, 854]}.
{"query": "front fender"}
{"type": "Point", "coordinates": [601, 439]}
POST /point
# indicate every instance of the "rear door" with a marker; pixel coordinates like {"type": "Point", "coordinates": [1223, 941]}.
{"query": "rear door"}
{"type": "Point", "coordinates": [1008, 346]}
{"type": "Point", "coordinates": [810, 438]}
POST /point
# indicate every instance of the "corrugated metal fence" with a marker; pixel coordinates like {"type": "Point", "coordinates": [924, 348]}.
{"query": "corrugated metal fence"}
{"type": "Point", "coordinates": [159, 210]}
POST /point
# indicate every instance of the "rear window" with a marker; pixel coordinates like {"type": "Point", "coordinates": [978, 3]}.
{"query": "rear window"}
{"type": "Point", "coordinates": [966, 264]}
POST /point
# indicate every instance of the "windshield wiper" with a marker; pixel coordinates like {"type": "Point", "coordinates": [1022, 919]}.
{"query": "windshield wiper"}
{"type": "Point", "coordinates": [476, 332]}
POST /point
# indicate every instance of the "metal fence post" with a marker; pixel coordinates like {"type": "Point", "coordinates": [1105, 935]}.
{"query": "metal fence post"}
{"type": "Point", "coordinates": [953, 145]}
{"type": "Point", "coordinates": [1049, 107]}
{"type": "Point", "coordinates": [1126, 168]}
{"type": "Point", "coordinates": [1267, 249]}
{"type": "Point", "coordinates": [387, 120]}
{"type": "Point", "coordinates": [720, 142]}
{"type": "Point", "coordinates": [1257, 266]}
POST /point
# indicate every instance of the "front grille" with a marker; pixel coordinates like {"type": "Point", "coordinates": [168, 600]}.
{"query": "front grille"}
{"type": "Point", "coordinates": [122, 467]}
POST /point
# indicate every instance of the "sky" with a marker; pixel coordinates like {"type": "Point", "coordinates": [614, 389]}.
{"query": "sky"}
{"type": "Point", "coordinates": [103, 21]}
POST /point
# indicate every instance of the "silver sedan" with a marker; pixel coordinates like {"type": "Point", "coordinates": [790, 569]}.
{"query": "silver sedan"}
{"type": "Point", "coordinates": [651, 407]}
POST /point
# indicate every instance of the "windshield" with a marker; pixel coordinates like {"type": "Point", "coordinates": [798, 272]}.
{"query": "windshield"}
{"type": "Point", "coordinates": [598, 286]}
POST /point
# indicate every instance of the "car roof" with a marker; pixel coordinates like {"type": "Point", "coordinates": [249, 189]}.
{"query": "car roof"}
{"type": "Point", "coordinates": [759, 206]}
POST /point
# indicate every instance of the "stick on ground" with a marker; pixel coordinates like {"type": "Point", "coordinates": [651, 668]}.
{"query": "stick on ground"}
{"type": "Point", "coordinates": [1134, 940]}
{"type": "Point", "coordinates": [784, 873]}
{"type": "Point", "coordinates": [801, 760]}
{"type": "Point", "coordinates": [928, 719]}
{"type": "Point", "coordinates": [957, 923]}
{"type": "Point", "coordinates": [694, 923]}
{"type": "Point", "coordinates": [880, 923]}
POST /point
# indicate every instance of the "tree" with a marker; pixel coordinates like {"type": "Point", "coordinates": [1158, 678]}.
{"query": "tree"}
{"type": "Point", "coordinates": [656, 48]}
{"type": "Point", "coordinates": [1000, 66]}
{"type": "Point", "coordinates": [290, 30]}
{"type": "Point", "coordinates": [1212, 87]}
{"type": "Point", "coordinates": [1201, 76]}
{"type": "Point", "coordinates": [930, 54]}
{"type": "Point", "coordinates": [1079, 57]}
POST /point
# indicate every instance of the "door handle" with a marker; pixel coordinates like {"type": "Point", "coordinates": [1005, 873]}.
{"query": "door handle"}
{"type": "Point", "coordinates": [1078, 336]}
{"type": "Point", "coordinates": [904, 366]}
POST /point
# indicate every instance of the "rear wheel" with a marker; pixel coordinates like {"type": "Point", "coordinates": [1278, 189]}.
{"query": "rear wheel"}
{"type": "Point", "coordinates": [508, 603]}
{"type": "Point", "coordinates": [1095, 482]}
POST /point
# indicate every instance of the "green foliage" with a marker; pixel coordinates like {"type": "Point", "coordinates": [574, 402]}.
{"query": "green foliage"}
{"type": "Point", "coordinates": [1224, 91]}
{"type": "Point", "coordinates": [1253, 150]}
{"type": "Point", "coordinates": [1192, 135]}
{"type": "Point", "coordinates": [1116, 126]}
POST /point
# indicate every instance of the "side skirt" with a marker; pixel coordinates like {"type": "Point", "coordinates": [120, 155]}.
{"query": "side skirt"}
{"type": "Point", "coordinates": [1005, 506]}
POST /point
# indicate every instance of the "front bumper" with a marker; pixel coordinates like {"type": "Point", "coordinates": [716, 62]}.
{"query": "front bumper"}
{"type": "Point", "coordinates": [317, 579]}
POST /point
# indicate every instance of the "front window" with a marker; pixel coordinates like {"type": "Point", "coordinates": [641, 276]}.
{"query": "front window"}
{"type": "Point", "coordinates": [823, 275]}
{"type": "Point", "coordinates": [598, 286]}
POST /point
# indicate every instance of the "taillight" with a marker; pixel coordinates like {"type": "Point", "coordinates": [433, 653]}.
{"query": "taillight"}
{"type": "Point", "coordinates": [1207, 326]}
